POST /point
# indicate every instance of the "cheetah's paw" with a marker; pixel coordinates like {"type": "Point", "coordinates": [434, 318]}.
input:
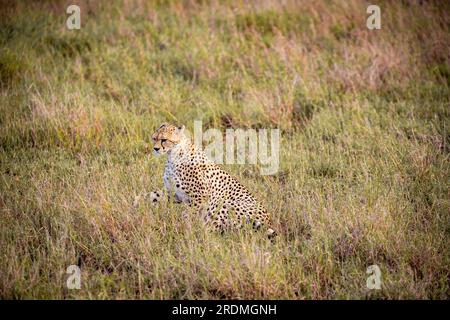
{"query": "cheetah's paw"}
{"type": "Point", "coordinates": [156, 196]}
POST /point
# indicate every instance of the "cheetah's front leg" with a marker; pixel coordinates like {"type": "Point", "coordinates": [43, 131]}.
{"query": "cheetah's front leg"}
{"type": "Point", "coordinates": [158, 195]}
{"type": "Point", "coordinates": [154, 196]}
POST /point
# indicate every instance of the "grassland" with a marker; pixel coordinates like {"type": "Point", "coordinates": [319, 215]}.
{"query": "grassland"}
{"type": "Point", "coordinates": [364, 165]}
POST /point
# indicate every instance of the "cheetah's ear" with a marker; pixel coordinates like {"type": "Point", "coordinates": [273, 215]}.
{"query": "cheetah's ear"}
{"type": "Point", "coordinates": [164, 124]}
{"type": "Point", "coordinates": [181, 129]}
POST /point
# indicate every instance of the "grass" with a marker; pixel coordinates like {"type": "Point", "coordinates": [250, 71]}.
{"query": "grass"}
{"type": "Point", "coordinates": [364, 165]}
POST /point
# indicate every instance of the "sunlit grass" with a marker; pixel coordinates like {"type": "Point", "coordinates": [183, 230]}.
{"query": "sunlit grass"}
{"type": "Point", "coordinates": [364, 165]}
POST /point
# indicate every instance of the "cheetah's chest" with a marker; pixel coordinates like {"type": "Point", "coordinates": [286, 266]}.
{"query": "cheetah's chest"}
{"type": "Point", "coordinates": [173, 183]}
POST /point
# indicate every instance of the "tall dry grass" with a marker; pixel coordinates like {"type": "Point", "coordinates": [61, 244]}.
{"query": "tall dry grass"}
{"type": "Point", "coordinates": [364, 162]}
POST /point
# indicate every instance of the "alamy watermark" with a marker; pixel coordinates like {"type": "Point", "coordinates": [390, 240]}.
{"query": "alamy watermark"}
{"type": "Point", "coordinates": [374, 20]}
{"type": "Point", "coordinates": [240, 146]}
{"type": "Point", "coordinates": [73, 22]}
{"type": "Point", "coordinates": [374, 280]}
{"type": "Point", "coordinates": [74, 279]}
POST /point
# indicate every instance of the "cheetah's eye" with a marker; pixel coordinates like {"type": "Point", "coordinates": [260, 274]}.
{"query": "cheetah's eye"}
{"type": "Point", "coordinates": [163, 140]}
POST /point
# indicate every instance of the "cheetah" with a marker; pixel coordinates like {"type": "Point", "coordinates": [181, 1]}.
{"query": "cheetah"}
{"type": "Point", "coordinates": [209, 191]}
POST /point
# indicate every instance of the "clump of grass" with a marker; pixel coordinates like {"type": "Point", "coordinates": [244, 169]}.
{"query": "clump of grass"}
{"type": "Point", "coordinates": [364, 165]}
{"type": "Point", "coordinates": [11, 68]}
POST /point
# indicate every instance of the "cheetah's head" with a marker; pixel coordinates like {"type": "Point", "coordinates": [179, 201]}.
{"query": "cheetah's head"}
{"type": "Point", "coordinates": [167, 137]}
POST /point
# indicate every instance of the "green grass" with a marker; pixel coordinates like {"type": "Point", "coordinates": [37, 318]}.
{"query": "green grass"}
{"type": "Point", "coordinates": [364, 165]}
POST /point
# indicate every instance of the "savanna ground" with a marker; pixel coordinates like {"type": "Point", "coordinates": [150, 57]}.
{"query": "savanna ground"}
{"type": "Point", "coordinates": [364, 162]}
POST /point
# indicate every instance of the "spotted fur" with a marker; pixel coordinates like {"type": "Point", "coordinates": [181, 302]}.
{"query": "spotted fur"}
{"type": "Point", "coordinates": [195, 180]}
